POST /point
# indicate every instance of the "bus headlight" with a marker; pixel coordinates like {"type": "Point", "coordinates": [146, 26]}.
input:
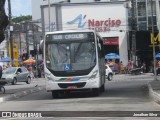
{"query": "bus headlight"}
{"type": "Point", "coordinates": [93, 75]}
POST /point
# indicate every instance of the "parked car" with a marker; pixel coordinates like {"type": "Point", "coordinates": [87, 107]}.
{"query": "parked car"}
{"type": "Point", "coordinates": [16, 74]}
{"type": "Point", "coordinates": [109, 73]}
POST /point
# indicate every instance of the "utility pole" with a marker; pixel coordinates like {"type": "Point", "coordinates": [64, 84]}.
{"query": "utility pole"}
{"type": "Point", "coordinates": [134, 29]}
{"type": "Point", "coordinates": [27, 43]}
{"type": "Point", "coordinates": [20, 42]}
{"type": "Point", "coordinates": [11, 30]}
{"type": "Point", "coordinates": [154, 59]}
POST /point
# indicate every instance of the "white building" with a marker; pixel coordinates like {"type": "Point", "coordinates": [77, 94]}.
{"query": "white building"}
{"type": "Point", "coordinates": [109, 19]}
{"type": "Point", "coordinates": [36, 5]}
{"type": "Point", "coordinates": [104, 12]}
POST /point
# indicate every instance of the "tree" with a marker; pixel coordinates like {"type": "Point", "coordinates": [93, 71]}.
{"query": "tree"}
{"type": "Point", "coordinates": [22, 18]}
{"type": "Point", "coordinates": [3, 20]}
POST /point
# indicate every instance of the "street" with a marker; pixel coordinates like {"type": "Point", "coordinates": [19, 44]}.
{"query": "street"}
{"type": "Point", "coordinates": [121, 94]}
{"type": "Point", "coordinates": [22, 86]}
{"type": "Point", "coordinates": [69, 42]}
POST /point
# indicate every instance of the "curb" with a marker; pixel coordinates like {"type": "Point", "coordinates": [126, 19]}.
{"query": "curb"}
{"type": "Point", "coordinates": [154, 95]}
{"type": "Point", "coordinates": [20, 94]}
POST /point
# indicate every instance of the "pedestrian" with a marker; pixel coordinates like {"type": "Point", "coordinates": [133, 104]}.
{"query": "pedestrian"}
{"type": "Point", "coordinates": [158, 63]}
{"type": "Point", "coordinates": [0, 71]}
{"type": "Point", "coordinates": [116, 68]}
{"type": "Point", "coordinates": [39, 71]}
{"type": "Point", "coordinates": [144, 67]}
{"type": "Point", "coordinates": [8, 65]}
{"type": "Point", "coordinates": [129, 66]}
{"type": "Point", "coordinates": [4, 67]}
{"type": "Point", "coordinates": [122, 68]}
{"type": "Point", "coordinates": [29, 68]}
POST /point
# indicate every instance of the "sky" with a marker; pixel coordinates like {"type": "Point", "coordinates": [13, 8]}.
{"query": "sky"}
{"type": "Point", "coordinates": [19, 7]}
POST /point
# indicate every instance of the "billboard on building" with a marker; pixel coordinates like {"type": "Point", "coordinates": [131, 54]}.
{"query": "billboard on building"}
{"type": "Point", "coordinates": [101, 18]}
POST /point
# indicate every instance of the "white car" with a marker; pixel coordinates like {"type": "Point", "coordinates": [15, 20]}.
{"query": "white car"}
{"type": "Point", "coordinates": [109, 73]}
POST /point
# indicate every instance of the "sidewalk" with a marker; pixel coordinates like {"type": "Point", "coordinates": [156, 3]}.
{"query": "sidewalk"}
{"type": "Point", "coordinates": [153, 86]}
{"type": "Point", "coordinates": [22, 89]}
{"type": "Point", "coordinates": [154, 90]}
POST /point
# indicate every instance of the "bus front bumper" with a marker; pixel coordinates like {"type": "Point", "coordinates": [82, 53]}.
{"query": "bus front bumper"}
{"type": "Point", "coordinates": [89, 84]}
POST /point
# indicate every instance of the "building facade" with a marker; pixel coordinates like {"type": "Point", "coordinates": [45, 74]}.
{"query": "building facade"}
{"type": "Point", "coordinates": [101, 17]}
{"type": "Point", "coordinates": [36, 6]}
{"type": "Point", "coordinates": [143, 16]}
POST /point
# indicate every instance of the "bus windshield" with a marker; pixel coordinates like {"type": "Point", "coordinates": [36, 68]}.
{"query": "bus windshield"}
{"type": "Point", "coordinates": [70, 56]}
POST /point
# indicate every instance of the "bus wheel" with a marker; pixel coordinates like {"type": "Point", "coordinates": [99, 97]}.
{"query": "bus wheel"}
{"type": "Point", "coordinates": [95, 91]}
{"type": "Point", "coordinates": [102, 88]}
{"type": "Point", "coordinates": [55, 94]}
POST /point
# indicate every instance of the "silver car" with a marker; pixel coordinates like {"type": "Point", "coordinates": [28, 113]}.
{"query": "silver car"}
{"type": "Point", "coordinates": [16, 74]}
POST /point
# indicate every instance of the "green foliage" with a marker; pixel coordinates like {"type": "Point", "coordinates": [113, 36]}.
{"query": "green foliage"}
{"type": "Point", "coordinates": [3, 20]}
{"type": "Point", "coordinates": [22, 18]}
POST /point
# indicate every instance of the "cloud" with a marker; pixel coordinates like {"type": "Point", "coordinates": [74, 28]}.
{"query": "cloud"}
{"type": "Point", "coordinates": [20, 7]}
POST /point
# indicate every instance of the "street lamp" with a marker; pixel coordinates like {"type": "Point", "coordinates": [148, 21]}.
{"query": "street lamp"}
{"type": "Point", "coordinates": [152, 37]}
{"type": "Point", "coordinates": [134, 29]}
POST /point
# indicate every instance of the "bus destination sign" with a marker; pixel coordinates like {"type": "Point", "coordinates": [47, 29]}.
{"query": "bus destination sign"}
{"type": "Point", "coordinates": [69, 36]}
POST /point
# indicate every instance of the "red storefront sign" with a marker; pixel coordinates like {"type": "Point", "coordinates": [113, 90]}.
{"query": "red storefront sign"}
{"type": "Point", "coordinates": [111, 41]}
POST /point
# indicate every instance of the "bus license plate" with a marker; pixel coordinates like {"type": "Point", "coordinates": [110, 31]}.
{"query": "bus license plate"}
{"type": "Point", "coordinates": [72, 87]}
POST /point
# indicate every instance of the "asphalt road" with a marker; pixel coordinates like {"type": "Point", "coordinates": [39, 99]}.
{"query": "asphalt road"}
{"type": "Point", "coordinates": [124, 93]}
{"type": "Point", "coordinates": [21, 86]}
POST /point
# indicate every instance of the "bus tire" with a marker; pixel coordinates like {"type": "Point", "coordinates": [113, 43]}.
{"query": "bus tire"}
{"type": "Point", "coordinates": [102, 88]}
{"type": "Point", "coordinates": [95, 91]}
{"type": "Point", "coordinates": [55, 94]}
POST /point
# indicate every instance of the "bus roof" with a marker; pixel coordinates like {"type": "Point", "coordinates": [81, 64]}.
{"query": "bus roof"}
{"type": "Point", "coordinates": [70, 31]}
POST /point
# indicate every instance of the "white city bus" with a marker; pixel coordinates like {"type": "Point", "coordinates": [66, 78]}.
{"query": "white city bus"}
{"type": "Point", "coordinates": [74, 61]}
